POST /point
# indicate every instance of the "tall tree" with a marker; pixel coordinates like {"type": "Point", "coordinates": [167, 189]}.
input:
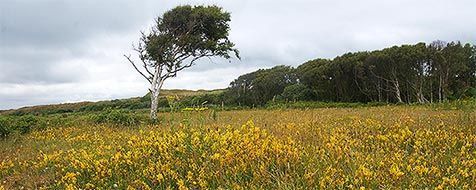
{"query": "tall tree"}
{"type": "Point", "coordinates": [257, 88]}
{"type": "Point", "coordinates": [177, 41]}
{"type": "Point", "coordinates": [240, 90]}
{"type": "Point", "coordinates": [271, 82]}
{"type": "Point", "coordinates": [317, 76]}
{"type": "Point", "coordinates": [406, 74]}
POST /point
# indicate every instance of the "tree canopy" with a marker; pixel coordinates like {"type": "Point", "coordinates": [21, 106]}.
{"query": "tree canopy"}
{"type": "Point", "coordinates": [418, 73]}
{"type": "Point", "coordinates": [178, 39]}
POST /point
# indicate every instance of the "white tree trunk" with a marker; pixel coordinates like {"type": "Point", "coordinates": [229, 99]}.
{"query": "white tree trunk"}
{"type": "Point", "coordinates": [156, 85]}
{"type": "Point", "coordinates": [397, 91]}
{"type": "Point", "coordinates": [440, 89]}
{"type": "Point", "coordinates": [154, 99]}
{"type": "Point", "coordinates": [379, 89]}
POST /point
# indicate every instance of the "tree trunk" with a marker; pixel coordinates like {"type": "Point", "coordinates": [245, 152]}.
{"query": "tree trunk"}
{"type": "Point", "coordinates": [421, 96]}
{"type": "Point", "coordinates": [154, 99]}
{"type": "Point", "coordinates": [379, 89]}
{"type": "Point", "coordinates": [397, 91]}
{"type": "Point", "coordinates": [431, 91]}
{"type": "Point", "coordinates": [440, 87]}
{"type": "Point", "coordinates": [156, 85]}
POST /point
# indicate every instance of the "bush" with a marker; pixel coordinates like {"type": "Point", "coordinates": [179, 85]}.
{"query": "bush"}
{"type": "Point", "coordinates": [117, 117]}
{"type": "Point", "coordinates": [25, 124]}
{"type": "Point", "coordinates": [5, 128]}
{"type": "Point", "coordinates": [470, 93]}
{"type": "Point", "coordinates": [21, 124]}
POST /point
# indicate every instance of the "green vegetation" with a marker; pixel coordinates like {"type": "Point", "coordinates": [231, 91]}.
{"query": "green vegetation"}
{"type": "Point", "coordinates": [420, 73]}
{"type": "Point", "coordinates": [117, 118]}
{"type": "Point", "coordinates": [127, 104]}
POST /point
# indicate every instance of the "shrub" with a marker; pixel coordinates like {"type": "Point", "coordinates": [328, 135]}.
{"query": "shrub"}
{"type": "Point", "coordinates": [22, 124]}
{"type": "Point", "coordinates": [26, 123]}
{"type": "Point", "coordinates": [117, 117]}
{"type": "Point", "coordinates": [5, 128]}
{"type": "Point", "coordinates": [470, 92]}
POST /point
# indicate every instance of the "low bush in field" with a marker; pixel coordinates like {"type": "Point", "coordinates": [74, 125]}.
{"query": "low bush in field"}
{"type": "Point", "coordinates": [5, 129]}
{"type": "Point", "coordinates": [21, 124]}
{"type": "Point", "coordinates": [117, 117]}
{"type": "Point", "coordinates": [25, 124]}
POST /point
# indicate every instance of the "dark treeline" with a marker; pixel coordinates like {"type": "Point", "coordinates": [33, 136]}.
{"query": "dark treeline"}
{"type": "Point", "coordinates": [420, 73]}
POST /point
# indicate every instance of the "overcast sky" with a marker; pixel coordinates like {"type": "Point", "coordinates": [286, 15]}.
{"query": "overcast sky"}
{"type": "Point", "coordinates": [55, 51]}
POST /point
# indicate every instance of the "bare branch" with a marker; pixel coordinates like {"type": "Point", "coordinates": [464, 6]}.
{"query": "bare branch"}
{"type": "Point", "coordinates": [142, 57]}
{"type": "Point", "coordinates": [146, 68]}
{"type": "Point", "coordinates": [135, 67]}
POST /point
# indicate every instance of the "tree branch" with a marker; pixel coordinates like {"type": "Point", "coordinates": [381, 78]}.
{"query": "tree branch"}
{"type": "Point", "coordinates": [135, 67]}
{"type": "Point", "coordinates": [173, 73]}
{"type": "Point", "coordinates": [140, 51]}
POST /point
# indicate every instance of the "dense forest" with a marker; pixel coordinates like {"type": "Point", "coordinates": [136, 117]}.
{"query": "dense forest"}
{"type": "Point", "coordinates": [420, 73]}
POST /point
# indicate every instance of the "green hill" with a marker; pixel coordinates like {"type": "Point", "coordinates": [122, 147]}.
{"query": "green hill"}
{"type": "Point", "coordinates": [135, 103]}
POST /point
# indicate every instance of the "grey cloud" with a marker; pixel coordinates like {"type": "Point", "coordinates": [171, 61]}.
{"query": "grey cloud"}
{"type": "Point", "coordinates": [22, 66]}
{"type": "Point", "coordinates": [55, 23]}
{"type": "Point", "coordinates": [37, 37]}
{"type": "Point", "coordinates": [72, 50]}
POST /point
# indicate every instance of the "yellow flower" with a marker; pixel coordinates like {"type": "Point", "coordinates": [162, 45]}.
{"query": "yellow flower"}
{"type": "Point", "coordinates": [69, 177]}
{"type": "Point", "coordinates": [181, 185]}
{"type": "Point", "coordinates": [159, 177]}
{"type": "Point", "coordinates": [89, 186]}
{"type": "Point", "coordinates": [364, 171]}
{"type": "Point", "coordinates": [395, 171]}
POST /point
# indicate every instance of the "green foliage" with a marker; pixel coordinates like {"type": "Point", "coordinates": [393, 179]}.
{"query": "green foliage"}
{"type": "Point", "coordinates": [470, 92]}
{"type": "Point", "coordinates": [419, 73]}
{"type": "Point", "coordinates": [194, 30]}
{"type": "Point", "coordinates": [130, 104]}
{"type": "Point", "coordinates": [297, 92]}
{"type": "Point", "coordinates": [25, 124]}
{"type": "Point", "coordinates": [257, 88]}
{"type": "Point", "coordinates": [21, 124]}
{"type": "Point", "coordinates": [117, 118]}
{"type": "Point", "coordinates": [210, 99]}
{"type": "Point", "coordinates": [5, 128]}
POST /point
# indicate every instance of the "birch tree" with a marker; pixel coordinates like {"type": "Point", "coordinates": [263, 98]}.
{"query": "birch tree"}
{"type": "Point", "coordinates": [178, 39]}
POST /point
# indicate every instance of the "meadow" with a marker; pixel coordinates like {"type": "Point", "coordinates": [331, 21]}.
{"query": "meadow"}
{"type": "Point", "coordinates": [383, 147]}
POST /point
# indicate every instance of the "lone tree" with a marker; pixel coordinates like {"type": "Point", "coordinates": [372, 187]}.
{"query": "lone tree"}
{"type": "Point", "coordinates": [178, 39]}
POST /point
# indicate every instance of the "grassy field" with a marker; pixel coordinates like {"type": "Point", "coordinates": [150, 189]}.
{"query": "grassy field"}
{"type": "Point", "coordinates": [386, 147]}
